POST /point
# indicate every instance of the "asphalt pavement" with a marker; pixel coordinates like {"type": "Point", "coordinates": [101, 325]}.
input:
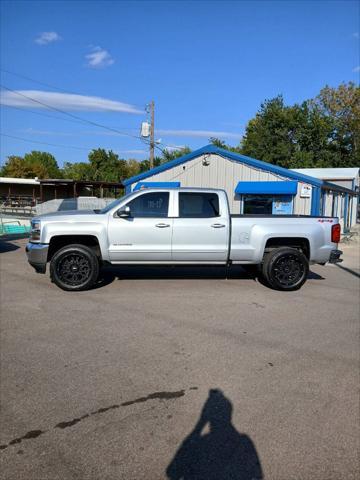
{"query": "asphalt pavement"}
{"type": "Point", "coordinates": [179, 373]}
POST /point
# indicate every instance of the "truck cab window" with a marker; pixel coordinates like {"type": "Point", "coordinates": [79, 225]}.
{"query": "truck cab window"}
{"type": "Point", "coordinates": [198, 205]}
{"type": "Point", "coordinates": [155, 204]}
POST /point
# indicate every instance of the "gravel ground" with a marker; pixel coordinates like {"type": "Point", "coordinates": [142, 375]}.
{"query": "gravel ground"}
{"type": "Point", "coordinates": [179, 374]}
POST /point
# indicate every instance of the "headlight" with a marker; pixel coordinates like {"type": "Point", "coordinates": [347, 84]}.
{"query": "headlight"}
{"type": "Point", "coordinates": [35, 231]}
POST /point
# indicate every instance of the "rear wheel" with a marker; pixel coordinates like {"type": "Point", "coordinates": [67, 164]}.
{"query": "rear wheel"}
{"type": "Point", "coordinates": [285, 268]}
{"type": "Point", "coordinates": [74, 268]}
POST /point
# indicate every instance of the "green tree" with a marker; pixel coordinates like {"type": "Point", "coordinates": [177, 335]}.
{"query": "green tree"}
{"type": "Point", "coordinates": [270, 135]}
{"type": "Point", "coordinates": [34, 164]}
{"type": "Point", "coordinates": [133, 168]}
{"type": "Point", "coordinates": [169, 155]}
{"type": "Point", "coordinates": [107, 166]}
{"type": "Point", "coordinates": [316, 133]}
{"type": "Point", "coordinates": [144, 165]}
{"type": "Point", "coordinates": [77, 171]}
{"type": "Point", "coordinates": [46, 160]}
{"type": "Point", "coordinates": [221, 144]}
{"type": "Point", "coordinates": [342, 105]}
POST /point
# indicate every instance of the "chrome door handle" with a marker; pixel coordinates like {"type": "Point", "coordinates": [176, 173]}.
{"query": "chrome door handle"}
{"type": "Point", "coordinates": [162, 225]}
{"type": "Point", "coordinates": [218, 225]}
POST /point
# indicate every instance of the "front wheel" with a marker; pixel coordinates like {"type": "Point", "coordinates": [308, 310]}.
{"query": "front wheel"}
{"type": "Point", "coordinates": [74, 268]}
{"type": "Point", "coordinates": [285, 268]}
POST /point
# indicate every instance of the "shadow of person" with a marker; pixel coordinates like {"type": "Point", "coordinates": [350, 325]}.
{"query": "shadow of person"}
{"type": "Point", "coordinates": [222, 453]}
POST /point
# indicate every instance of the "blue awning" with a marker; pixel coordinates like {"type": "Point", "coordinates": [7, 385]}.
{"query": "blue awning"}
{"type": "Point", "coordinates": [156, 185]}
{"type": "Point", "coordinates": [267, 188]}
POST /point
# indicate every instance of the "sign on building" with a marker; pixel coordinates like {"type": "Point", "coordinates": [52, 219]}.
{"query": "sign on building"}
{"type": "Point", "coordinates": [305, 191]}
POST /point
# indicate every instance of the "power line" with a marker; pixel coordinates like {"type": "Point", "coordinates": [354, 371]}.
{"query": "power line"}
{"type": "Point", "coordinates": [44, 143]}
{"type": "Point", "coordinates": [78, 119]}
{"type": "Point", "coordinates": [57, 118]}
{"type": "Point", "coordinates": [36, 81]}
{"type": "Point", "coordinates": [47, 143]}
{"type": "Point", "coordinates": [46, 115]}
{"type": "Point", "coordinates": [84, 120]}
{"type": "Point", "coordinates": [74, 118]}
{"type": "Point", "coordinates": [25, 77]}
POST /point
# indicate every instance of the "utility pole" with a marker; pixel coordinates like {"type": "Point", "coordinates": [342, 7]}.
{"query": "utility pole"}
{"type": "Point", "coordinates": [152, 133]}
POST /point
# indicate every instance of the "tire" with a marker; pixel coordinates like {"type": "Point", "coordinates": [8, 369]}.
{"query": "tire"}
{"type": "Point", "coordinates": [285, 268]}
{"type": "Point", "coordinates": [74, 268]}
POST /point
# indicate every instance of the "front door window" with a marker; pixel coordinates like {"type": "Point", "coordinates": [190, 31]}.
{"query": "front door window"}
{"type": "Point", "coordinates": [155, 204]}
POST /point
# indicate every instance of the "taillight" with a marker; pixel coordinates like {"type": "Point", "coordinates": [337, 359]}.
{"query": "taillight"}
{"type": "Point", "coordinates": [335, 233]}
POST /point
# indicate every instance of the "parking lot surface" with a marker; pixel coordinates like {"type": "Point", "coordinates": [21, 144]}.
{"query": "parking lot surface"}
{"type": "Point", "coordinates": [179, 373]}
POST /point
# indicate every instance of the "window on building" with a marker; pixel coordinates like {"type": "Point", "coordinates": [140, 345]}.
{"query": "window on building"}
{"type": "Point", "coordinates": [258, 204]}
{"type": "Point", "coordinates": [198, 205]}
{"type": "Point", "coordinates": [267, 204]}
{"type": "Point", "coordinates": [155, 204]}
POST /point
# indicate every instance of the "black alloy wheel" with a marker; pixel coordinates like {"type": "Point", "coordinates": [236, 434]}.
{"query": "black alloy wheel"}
{"type": "Point", "coordinates": [74, 267]}
{"type": "Point", "coordinates": [285, 268]}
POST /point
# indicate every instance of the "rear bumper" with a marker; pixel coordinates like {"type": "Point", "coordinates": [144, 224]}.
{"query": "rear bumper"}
{"type": "Point", "coordinates": [335, 256]}
{"type": "Point", "coordinates": [37, 254]}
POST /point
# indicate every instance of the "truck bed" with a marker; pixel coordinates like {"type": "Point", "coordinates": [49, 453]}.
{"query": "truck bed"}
{"type": "Point", "coordinates": [250, 235]}
{"type": "Point", "coordinates": [269, 215]}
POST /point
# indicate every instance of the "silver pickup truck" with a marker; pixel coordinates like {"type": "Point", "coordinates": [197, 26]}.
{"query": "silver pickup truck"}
{"type": "Point", "coordinates": [179, 226]}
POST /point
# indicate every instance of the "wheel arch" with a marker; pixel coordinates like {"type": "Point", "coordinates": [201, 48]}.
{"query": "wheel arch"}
{"type": "Point", "coordinates": [60, 241]}
{"type": "Point", "coordinates": [300, 243]}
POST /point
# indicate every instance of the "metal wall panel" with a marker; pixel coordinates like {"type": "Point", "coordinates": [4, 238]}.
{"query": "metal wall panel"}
{"type": "Point", "coordinates": [215, 171]}
{"type": "Point", "coordinates": [343, 183]}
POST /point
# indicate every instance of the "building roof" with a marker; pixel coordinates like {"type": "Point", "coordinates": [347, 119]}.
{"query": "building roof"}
{"type": "Point", "coordinates": [59, 181]}
{"type": "Point", "coordinates": [23, 181]}
{"type": "Point", "coordinates": [330, 173]}
{"type": "Point", "coordinates": [89, 183]}
{"type": "Point", "coordinates": [236, 157]}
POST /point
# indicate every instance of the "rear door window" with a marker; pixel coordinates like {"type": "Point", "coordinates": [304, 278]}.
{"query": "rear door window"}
{"type": "Point", "coordinates": [198, 205]}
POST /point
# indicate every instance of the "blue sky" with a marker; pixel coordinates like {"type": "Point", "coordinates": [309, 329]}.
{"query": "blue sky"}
{"type": "Point", "coordinates": [208, 65]}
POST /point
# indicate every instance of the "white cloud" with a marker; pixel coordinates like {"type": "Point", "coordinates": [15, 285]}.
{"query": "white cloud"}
{"type": "Point", "coordinates": [99, 58]}
{"type": "Point", "coordinates": [356, 69]}
{"type": "Point", "coordinates": [47, 37]}
{"type": "Point", "coordinates": [65, 101]}
{"type": "Point", "coordinates": [133, 152]}
{"type": "Point", "coordinates": [33, 131]}
{"type": "Point", "coordinates": [171, 148]}
{"type": "Point", "coordinates": [198, 133]}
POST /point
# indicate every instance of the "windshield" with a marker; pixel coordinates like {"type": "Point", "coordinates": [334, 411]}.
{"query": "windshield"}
{"type": "Point", "coordinates": [113, 204]}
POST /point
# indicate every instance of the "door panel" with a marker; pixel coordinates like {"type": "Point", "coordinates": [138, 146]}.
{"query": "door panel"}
{"type": "Point", "coordinates": [140, 239]}
{"type": "Point", "coordinates": [144, 236]}
{"type": "Point", "coordinates": [199, 240]}
{"type": "Point", "coordinates": [201, 233]}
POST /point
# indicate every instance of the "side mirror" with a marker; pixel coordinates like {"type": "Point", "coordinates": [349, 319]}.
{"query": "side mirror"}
{"type": "Point", "coordinates": [124, 212]}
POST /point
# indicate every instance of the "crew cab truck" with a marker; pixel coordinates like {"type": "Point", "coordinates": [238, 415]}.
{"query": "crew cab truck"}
{"type": "Point", "coordinates": [179, 226]}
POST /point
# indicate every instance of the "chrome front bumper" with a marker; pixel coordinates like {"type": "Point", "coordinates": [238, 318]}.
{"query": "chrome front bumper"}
{"type": "Point", "coordinates": [37, 254]}
{"type": "Point", "coordinates": [335, 256]}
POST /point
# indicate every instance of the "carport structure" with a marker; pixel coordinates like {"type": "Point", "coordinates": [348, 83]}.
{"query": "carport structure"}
{"type": "Point", "coordinates": [66, 188]}
{"type": "Point", "coordinates": [31, 191]}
